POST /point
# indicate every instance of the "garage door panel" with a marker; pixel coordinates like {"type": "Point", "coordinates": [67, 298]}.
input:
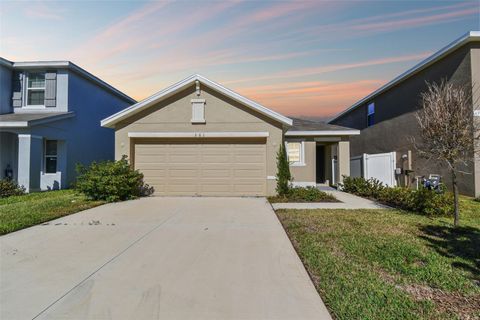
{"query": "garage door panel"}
{"type": "Point", "coordinates": [253, 158]}
{"type": "Point", "coordinates": [153, 172]}
{"type": "Point", "coordinates": [178, 185]}
{"type": "Point", "coordinates": [252, 189]}
{"type": "Point", "coordinates": [220, 158]}
{"type": "Point", "coordinates": [215, 173]}
{"type": "Point", "coordinates": [216, 169]}
{"type": "Point", "coordinates": [151, 158]}
{"type": "Point", "coordinates": [183, 158]}
{"type": "Point", "coordinates": [247, 173]}
{"type": "Point", "coordinates": [183, 173]}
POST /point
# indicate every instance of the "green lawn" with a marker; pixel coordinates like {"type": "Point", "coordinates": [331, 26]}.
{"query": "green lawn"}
{"type": "Point", "coordinates": [20, 212]}
{"type": "Point", "coordinates": [389, 264]}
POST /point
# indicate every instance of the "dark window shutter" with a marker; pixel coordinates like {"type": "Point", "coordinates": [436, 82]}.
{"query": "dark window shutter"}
{"type": "Point", "coordinates": [50, 89]}
{"type": "Point", "coordinates": [17, 89]}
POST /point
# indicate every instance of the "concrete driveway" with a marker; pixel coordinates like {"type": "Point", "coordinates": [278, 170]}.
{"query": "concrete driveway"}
{"type": "Point", "coordinates": [167, 258]}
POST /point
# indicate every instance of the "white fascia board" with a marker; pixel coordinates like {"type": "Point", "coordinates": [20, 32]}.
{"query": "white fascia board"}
{"type": "Point", "coordinates": [41, 64]}
{"type": "Point", "coordinates": [323, 133]}
{"type": "Point", "coordinates": [259, 134]}
{"type": "Point", "coordinates": [14, 124]}
{"type": "Point", "coordinates": [239, 98]}
{"type": "Point", "coordinates": [169, 91]}
{"type": "Point", "coordinates": [466, 38]}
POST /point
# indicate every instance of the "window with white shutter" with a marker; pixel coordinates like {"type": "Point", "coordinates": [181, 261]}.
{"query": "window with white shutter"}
{"type": "Point", "coordinates": [198, 110]}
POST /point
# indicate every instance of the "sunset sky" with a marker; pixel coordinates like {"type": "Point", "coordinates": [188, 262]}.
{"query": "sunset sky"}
{"type": "Point", "coordinates": [302, 58]}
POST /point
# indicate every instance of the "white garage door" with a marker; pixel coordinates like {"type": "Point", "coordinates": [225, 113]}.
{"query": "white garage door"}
{"type": "Point", "coordinates": [207, 168]}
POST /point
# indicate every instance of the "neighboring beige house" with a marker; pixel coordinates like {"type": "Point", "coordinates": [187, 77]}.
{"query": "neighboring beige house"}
{"type": "Point", "coordinates": [197, 137]}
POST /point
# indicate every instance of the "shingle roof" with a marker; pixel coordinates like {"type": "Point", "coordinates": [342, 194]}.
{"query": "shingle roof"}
{"type": "Point", "coordinates": [310, 125]}
{"type": "Point", "coordinates": [29, 119]}
{"type": "Point", "coordinates": [68, 65]}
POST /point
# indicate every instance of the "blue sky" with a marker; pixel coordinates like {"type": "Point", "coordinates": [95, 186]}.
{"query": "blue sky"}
{"type": "Point", "coordinates": [301, 58]}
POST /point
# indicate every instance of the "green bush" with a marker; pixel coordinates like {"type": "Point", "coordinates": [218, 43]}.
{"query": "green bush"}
{"type": "Point", "coordinates": [307, 194]}
{"type": "Point", "coordinates": [370, 188]}
{"type": "Point", "coordinates": [477, 199]}
{"type": "Point", "coordinates": [111, 181]}
{"type": "Point", "coordinates": [10, 188]}
{"type": "Point", "coordinates": [283, 172]}
{"type": "Point", "coordinates": [423, 200]}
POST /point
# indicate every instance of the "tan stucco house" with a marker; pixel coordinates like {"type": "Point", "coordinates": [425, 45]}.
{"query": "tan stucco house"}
{"type": "Point", "coordinates": [197, 137]}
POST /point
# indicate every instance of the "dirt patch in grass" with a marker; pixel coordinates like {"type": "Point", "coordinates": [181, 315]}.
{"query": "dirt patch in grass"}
{"type": "Point", "coordinates": [465, 307]}
{"type": "Point", "coordinates": [454, 303]}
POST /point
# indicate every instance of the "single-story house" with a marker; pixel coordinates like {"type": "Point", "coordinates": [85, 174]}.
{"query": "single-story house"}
{"type": "Point", "coordinates": [197, 137]}
{"type": "Point", "coordinates": [49, 115]}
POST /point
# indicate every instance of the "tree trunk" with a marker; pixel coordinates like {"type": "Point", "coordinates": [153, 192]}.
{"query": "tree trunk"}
{"type": "Point", "coordinates": [455, 198]}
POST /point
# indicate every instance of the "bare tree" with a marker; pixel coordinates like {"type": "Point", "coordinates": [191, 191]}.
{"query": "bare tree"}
{"type": "Point", "coordinates": [447, 129]}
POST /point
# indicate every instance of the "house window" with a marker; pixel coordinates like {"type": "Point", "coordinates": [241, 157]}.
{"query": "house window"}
{"type": "Point", "coordinates": [371, 114]}
{"type": "Point", "coordinates": [295, 153]}
{"type": "Point", "coordinates": [198, 110]}
{"type": "Point", "coordinates": [36, 89]}
{"type": "Point", "coordinates": [51, 156]}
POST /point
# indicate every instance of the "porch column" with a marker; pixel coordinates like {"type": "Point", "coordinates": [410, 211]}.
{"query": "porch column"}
{"type": "Point", "coordinates": [343, 158]}
{"type": "Point", "coordinates": [29, 161]}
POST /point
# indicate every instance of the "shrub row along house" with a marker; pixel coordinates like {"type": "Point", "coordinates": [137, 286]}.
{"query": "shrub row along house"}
{"type": "Point", "coordinates": [197, 137]}
{"type": "Point", "coordinates": [387, 120]}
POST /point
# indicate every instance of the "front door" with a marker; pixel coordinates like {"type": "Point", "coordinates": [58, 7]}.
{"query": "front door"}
{"type": "Point", "coordinates": [320, 163]}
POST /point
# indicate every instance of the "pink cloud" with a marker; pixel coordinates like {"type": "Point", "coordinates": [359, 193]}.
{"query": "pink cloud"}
{"type": "Point", "coordinates": [416, 22]}
{"type": "Point", "coordinates": [386, 22]}
{"type": "Point", "coordinates": [335, 67]}
{"type": "Point", "coordinates": [319, 99]}
{"type": "Point", "coordinates": [44, 12]}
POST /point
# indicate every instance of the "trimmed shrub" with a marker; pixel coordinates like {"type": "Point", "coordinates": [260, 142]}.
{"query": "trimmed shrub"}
{"type": "Point", "coordinates": [283, 172]}
{"type": "Point", "coordinates": [111, 181]}
{"type": "Point", "coordinates": [423, 201]}
{"type": "Point", "coordinates": [10, 188]}
{"type": "Point", "coordinates": [370, 188]}
{"type": "Point", "coordinates": [307, 194]}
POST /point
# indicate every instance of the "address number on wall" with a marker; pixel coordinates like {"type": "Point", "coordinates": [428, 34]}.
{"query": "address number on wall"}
{"type": "Point", "coordinates": [476, 113]}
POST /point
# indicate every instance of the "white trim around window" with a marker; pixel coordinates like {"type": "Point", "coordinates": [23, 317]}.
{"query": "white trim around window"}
{"type": "Point", "coordinates": [198, 110]}
{"type": "Point", "coordinates": [34, 88]}
{"type": "Point", "coordinates": [301, 153]}
{"type": "Point", "coordinates": [50, 158]}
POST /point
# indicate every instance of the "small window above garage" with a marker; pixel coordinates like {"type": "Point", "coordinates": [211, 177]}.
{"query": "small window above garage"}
{"type": "Point", "coordinates": [198, 110]}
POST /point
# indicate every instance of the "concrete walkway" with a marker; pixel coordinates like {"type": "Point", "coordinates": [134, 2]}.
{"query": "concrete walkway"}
{"type": "Point", "coordinates": [158, 258]}
{"type": "Point", "coordinates": [348, 201]}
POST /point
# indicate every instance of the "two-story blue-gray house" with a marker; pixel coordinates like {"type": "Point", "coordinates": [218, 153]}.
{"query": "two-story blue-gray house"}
{"type": "Point", "coordinates": [50, 116]}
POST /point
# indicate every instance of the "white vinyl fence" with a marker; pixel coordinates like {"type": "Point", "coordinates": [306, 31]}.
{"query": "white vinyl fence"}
{"type": "Point", "coordinates": [380, 166]}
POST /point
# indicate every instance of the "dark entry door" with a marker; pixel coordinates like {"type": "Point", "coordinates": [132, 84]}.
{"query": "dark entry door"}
{"type": "Point", "coordinates": [320, 156]}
